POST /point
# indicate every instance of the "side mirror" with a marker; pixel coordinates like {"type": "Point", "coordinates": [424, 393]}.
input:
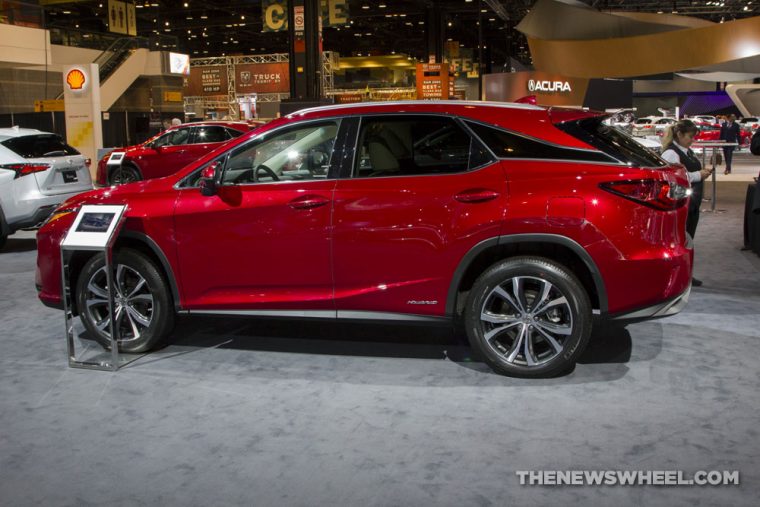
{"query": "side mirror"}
{"type": "Point", "coordinates": [207, 183]}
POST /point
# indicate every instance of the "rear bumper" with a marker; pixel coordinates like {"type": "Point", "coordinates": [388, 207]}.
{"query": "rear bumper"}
{"type": "Point", "coordinates": [36, 219]}
{"type": "Point", "coordinates": [658, 311]}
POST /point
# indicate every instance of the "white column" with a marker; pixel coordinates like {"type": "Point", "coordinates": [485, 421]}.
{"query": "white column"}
{"type": "Point", "coordinates": [81, 95]}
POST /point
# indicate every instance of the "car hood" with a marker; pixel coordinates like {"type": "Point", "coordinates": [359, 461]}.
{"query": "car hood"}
{"type": "Point", "coordinates": [120, 194]}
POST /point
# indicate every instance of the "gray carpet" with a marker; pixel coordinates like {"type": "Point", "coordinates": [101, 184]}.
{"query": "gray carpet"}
{"type": "Point", "coordinates": [272, 413]}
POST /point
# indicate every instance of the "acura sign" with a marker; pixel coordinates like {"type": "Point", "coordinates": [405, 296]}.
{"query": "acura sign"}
{"type": "Point", "coordinates": [549, 86]}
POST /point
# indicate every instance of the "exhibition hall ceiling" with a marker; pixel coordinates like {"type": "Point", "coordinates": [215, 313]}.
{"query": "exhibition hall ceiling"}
{"type": "Point", "coordinates": [359, 28]}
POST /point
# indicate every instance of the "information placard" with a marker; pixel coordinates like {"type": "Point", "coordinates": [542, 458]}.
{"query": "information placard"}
{"type": "Point", "coordinates": [93, 227]}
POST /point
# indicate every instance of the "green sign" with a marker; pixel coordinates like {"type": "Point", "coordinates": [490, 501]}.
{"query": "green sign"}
{"type": "Point", "coordinates": [274, 14]}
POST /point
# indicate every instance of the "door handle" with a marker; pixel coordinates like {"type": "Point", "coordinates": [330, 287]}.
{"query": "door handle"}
{"type": "Point", "coordinates": [476, 195]}
{"type": "Point", "coordinates": [308, 202]}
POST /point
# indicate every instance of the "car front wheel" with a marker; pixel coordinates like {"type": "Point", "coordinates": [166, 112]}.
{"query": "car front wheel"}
{"type": "Point", "coordinates": [528, 317]}
{"type": "Point", "coordinates": [143, 308]}
{"type": "Point", "coordinates": [124, 174]}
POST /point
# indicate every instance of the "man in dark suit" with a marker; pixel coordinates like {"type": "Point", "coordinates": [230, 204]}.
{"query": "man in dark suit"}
{"type": "Point", "coordinates": [729, 133]}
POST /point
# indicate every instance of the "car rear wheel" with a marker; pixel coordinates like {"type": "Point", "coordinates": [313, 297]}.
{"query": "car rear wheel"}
{"type": "Point", "coordinates": [123, 175]}
{"type": "Point", "coordinates": [143, 303]}
{"type": "Point", "coordinates": [528, 317]}
{"type": "Point", "coordinates": [3, 239]}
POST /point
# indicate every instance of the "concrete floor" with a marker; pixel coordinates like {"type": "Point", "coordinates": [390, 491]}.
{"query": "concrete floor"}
{"type": "Point", "coordinates": [285, 414]}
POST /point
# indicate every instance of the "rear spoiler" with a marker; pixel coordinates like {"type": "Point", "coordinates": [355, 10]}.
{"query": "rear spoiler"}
{"type": "Point", "coordinates": [565, 114]}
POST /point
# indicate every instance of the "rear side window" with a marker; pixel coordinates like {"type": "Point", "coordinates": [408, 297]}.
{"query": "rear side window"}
{"type": "Point", "coordinates": [38, 146]}
{"type": "Point", "coordinates": [510, 145]}
{"type": "Point", "coordinates": [416, 145]}
{"type": "Point", "coordinates": [612, 141]}
{"type": "Point", "coordinates": [234, 133]}
{"type": "Point", "coordinates": [211, 134]}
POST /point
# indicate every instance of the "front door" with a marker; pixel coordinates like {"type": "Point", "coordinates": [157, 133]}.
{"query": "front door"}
{"type": "Point", "coordinates": [263, 242]}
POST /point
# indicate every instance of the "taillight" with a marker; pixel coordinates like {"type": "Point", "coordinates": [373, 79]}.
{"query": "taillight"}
{"type": "Point", "coordinates": [25, 169]}
{"type": "Point", "coordinates": [88, 162]}
{"type": "Point", "coordinates": [662, 195]}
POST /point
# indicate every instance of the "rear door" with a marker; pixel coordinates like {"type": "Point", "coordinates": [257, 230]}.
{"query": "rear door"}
{"type": "Point", "coordinates": [207, 138]}
{"type": "Point", "coordinates": [418, 194]}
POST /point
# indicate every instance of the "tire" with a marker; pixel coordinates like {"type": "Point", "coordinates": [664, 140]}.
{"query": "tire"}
{"type": "Point", "coordinates": [145, 314]}
{"type": "Point", "coordinates": [3, 239]}
{"type": "Point", "coordinates": [123, 175]}
{"type": "Point", "coordinates": [499, 326]}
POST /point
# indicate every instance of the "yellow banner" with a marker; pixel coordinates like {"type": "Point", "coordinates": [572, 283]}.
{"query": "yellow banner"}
{"type": "Point", "coordinates": [172, 96]}
{"type": "Point", "coordinates": [47, 106]}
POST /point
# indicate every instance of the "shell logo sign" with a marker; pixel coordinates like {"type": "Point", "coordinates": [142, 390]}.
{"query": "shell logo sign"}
{"type": "Point", "coordinates": [76, 79]}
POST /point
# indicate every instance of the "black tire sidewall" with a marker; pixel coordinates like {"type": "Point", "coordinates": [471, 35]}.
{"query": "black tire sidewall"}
{"type": "Point", "coordinates": [163, 311]}
{"type": "Point", "coordinates": [539, 268]}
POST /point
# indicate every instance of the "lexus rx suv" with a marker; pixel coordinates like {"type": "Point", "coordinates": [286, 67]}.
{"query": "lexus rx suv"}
{"type": "Point", "coordinates": [38, 171]}
{"type": "Point", "coordinates": [168, 152]}
{"type": "Point", "coordinates": [525, 225]}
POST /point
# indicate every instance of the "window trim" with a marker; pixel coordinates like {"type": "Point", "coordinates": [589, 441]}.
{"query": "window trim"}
{"type": "Point", "coordinates": [612, 161]}
{"type": "Point", "coordinates": [457, 119]}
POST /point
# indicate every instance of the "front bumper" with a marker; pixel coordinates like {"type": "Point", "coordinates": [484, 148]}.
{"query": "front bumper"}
{"type": "Point", "coordinates": [658, 311]}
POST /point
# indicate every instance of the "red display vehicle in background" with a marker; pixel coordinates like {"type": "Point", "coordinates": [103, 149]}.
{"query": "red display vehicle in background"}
{"type": "Point", "coordinates": [712, 133]}
{"type": "Point", "coordinates": [527, 225]}
{"type": "Point", "coordinates": [169, 151]}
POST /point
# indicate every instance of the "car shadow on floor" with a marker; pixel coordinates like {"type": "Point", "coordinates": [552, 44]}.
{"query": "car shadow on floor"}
{"type": "Point", "coordinates": [605, 359]}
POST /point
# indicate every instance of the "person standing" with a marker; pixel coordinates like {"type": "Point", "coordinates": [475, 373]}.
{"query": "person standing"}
{"type": "Point", "coordinates": [729, 133]}
{"type": "Point", "coordinates": [676, 144]}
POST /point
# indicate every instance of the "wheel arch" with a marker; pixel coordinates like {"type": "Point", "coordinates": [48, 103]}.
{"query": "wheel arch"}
{"type": "Point", "coordinates": [5, 228]}
{"type": "Point", "coordinates": [554, 247]}
{"type": "Point", "coordinates": [145, 244]}
{"type": "Point", "coordinates": [129, 162]}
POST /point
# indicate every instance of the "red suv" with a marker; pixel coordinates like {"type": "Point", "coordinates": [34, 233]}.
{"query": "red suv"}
{"type": "Point", "coordinates": [168, 152]}
{"type": "Point", "coordinates": [526, 224]}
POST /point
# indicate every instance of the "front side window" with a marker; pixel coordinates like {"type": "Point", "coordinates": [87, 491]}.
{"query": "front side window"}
{"type": "Point", "coordinates": [415, 145]}
{"type": "Point", "coordinates": [173, 138]}
{"type": "Point", "coordinates": [298, 153]}
{"type": "Point", "coordinates": [211, 134]}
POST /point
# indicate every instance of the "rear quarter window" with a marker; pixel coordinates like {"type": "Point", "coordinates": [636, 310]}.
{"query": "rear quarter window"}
{"type": "Point", "coordinates": [613, 142]}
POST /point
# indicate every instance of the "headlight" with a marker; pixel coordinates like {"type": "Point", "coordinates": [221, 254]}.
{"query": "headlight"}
{"type": "Point", "coordinates": [60, 213]}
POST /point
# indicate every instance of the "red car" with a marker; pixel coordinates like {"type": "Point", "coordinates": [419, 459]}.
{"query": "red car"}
{"type": "Point", "coordinates": [168, 152]}
{"type": "Point", "coordinates": [712, 133]}
{"type": "Point", "coordinates": [524, 223]}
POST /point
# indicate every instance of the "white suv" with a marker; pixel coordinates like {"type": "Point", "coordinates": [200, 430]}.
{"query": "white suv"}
{"type": "Point", "coordinates": [38, 171]}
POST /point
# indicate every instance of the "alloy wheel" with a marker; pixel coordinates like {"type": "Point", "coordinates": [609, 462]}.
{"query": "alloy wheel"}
{"type": "Point", "coordinates": [133, 303]}
{"type": "Point", "coordinates": [526, 320]}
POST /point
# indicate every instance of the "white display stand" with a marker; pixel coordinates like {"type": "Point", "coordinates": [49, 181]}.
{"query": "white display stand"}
{"type": "Point", "coordinates": [714, 145]}
{"type": "Point", "coordinates": [95, 228]}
